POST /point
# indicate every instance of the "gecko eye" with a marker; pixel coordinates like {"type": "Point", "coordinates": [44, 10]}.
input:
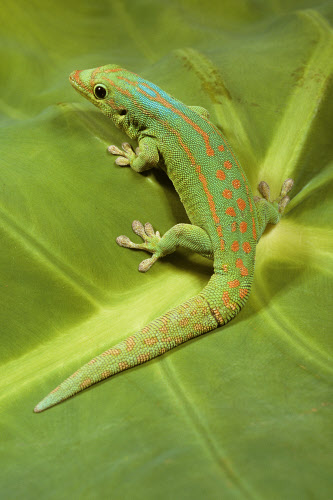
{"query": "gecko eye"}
{"type": "Point", "coordinates": [99, 91]}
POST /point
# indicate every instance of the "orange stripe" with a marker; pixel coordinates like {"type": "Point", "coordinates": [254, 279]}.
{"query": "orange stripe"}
{"type": "Point", "coordinates": [121, 90]}
{"type": "Point", "coordinates": [203, 181]}
{"type": "Point", "coordinates": [167, 104]}
{"type": "Point", "coordinates": [115, 70]}
{"type": "Point", "coordinates": [254, 232]}
{"type": "Point", "coordinates": [79, 81]}
{"type": "Point", "coordinates": [202, 178]}
{"type": "Point", "coordinates": [209, 149]}
{"type": "Point", "coordinates": [93, 76]}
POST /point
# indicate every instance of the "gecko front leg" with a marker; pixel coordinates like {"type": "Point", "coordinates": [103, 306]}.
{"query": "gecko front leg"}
{"type": "Point", "coordinates": [185, 235]}
{"type": "Point", "coordinates": [145, 157]}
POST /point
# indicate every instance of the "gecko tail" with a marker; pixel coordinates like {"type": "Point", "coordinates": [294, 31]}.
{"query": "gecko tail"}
{"type": "Point", "coordinates": [211, 308]}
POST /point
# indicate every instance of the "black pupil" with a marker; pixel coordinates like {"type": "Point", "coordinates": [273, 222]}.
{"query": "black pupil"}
{"type": "Point", "coordinates": [100, 92]}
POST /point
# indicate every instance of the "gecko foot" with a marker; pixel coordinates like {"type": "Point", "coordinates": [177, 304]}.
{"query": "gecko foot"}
{"type": "Point", "coordinates": [282, 200]}
{"type": "Point", "coordinates": [151, 243]}
{"type": "Point", "coordinates": [126, 155]}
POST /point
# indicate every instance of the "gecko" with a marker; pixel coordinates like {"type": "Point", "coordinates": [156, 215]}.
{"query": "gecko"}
{"type": "Point", "coordinates": [226, 220]}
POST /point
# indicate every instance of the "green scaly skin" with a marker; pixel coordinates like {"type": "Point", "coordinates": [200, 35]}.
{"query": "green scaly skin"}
{"type": "Point", "coordinates": [227, 221]}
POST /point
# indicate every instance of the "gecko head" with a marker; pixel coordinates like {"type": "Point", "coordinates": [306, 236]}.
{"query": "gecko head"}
{"type": "Point", "coordinates": [103, 86]}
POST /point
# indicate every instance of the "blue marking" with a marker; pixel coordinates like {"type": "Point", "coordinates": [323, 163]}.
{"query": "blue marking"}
{"type": "Point", "coordinates": [150, 103]}
{"type": "Point", "coordinates": [161, 92]}
{"type": "Point", "coordinates": [147, 90]}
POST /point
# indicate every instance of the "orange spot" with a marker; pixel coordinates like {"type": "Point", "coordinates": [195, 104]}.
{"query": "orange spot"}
{"type": "Point", "coordinates": [183, 322]}
{"type": "Point", "coordinates": [86, 383]}
{"type": "Point", "coordinates": [92, 361]}
{"type": "Point", "coordinates": [241, 204]}
{"type": "Point", "coordinates": [220, 175]}
{"type": "Point", "coordinates": [227, 164]}
{"type": "Point", "coordinates": [130, 342]}
{"type": "Point", "coordinates": [242, 293]}
{"type": "Point", "coordinates": [112, 352]}
{"type": "Point", "coordinates": [225, 298]}
{"type": "Point", "coordinates": [246, 247]}
{"type": "Point", "coordinates": [105, 374]}
{"type": "Point", "coordinates": [143, 357]}
{"type": "Point", "coordinates": [219, 231]}
{"type": "Point", "coordinates": [244, 271]}
{"type": "Point", "coordinates": [221, 147]}
{"type": "Point", "coordinates": [236, 183]}
{"type": "Point", "coordinates": [123, 365]}
{"type": "Point", "coordinates": [233, 284]}
{"type": "Point", "coordinates": [226, 301]}
{"type": "Point", "coordinates": [222, 244]}
{"type": "Point", "coordinates": [233, 226]}
{"type": "Point", "coordinates": [235, 246]}
{"type": "Point", "coordinates": [151, 340]}
{"type": "Point", "coordinates": [198, 327]}
{"type": "Point", "coordinates": [225, 268]}
{"type": "Point", "coordinates": [218, 316]}
{"type": "Point", "coordinates": [239, 263]}
{"type": "Point", "coordinates": [243, 227]}
{"type": "Point", "coordinates": [230, 211]}
{"type": "Point", "coordinates": [227, 194]}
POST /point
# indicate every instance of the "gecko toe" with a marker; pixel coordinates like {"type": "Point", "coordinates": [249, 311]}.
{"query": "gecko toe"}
{"type": "Point", "coordinates": [283, 203]}
{"type": "Point", "coordinates": [139, 229]}
{"type": "Point", "coordinates": [264, 190]}
{"type": "Point", "coordinates": [146, 264]}
{"type": "Point", "coordinates": [124, 241]}
{"type": "Point", "coordinates": [286, 187]}
{"type": "Point", "coordinates": [114, 150]}
{"type": "Point", "coordinates": [122, 161]}
{"type": "Point", "coordinates": [149, 230]}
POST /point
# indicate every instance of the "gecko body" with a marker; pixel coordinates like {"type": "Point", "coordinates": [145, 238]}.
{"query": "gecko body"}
{"type": "Point", "coordinates": [226, 220]}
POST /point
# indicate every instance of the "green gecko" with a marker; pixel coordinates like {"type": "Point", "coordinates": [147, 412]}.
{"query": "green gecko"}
{"type": "Point", "coordinates": [226, 220]}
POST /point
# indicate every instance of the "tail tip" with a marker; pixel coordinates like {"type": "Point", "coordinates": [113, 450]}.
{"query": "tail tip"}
{"type": "Point", "coordinates": [38, 408]}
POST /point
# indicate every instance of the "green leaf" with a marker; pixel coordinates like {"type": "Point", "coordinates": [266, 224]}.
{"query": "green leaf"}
{"type": "Point", "coordinates": [242, 412]}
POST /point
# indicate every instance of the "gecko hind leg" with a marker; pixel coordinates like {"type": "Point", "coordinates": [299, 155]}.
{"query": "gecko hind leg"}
{"type": "Point", "coordinates": [270, 211]}
{"type": "Point", "coordinates": [185, 235]}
